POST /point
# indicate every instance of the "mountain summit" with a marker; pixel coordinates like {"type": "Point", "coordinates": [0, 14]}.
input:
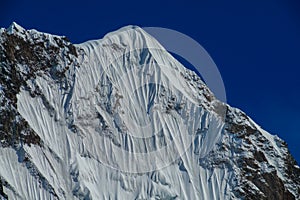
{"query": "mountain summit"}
{"type": "Point", "coordinates": [120, 118]}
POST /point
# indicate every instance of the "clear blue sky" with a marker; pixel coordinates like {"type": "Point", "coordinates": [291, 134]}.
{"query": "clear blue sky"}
{"type": "Point", "coordinates": [255, 44]}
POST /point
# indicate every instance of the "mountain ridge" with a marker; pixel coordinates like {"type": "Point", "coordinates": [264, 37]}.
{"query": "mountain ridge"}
{"type": "Point", "coordinates": [64, 98]}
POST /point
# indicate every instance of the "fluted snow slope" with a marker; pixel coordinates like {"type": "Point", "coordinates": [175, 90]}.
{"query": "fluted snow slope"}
{"type": "Point", "coordinates": [120, 118]}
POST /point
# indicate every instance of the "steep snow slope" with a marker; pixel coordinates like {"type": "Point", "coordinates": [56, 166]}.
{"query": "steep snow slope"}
{"type": "Point", "coordinates": [120, 118]}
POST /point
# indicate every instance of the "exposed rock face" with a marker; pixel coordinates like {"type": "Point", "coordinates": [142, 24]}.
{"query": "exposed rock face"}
{"type": "Point", "coordinates": [254, 172]}
{"type": "Point", "coordinates": [66, 110]}
{"type": "Point", "coordinates": [35, 54]}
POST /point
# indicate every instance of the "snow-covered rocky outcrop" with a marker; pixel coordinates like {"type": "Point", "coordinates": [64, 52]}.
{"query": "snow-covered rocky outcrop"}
{"type": "Point", "coordinates": [120, 118]}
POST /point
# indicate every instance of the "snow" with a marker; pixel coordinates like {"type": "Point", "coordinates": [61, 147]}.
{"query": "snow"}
{"type": "Point", "coordinates": [23, 183]}
{"type": "Point", "coordinates": [14, 27]}
{"type": "Point", "coordinates": [89, 154]}
{"type": "Point", "coordinates": [113, 131]}
{"type": "Point", "coordinates": [2, 30]}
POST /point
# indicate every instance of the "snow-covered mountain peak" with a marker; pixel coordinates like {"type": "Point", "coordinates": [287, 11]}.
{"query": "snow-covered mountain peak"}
{"type": "Point", "coordinates": [121, 42]}
{"type": "Point", "coordinates": [120, 118]}
{"type": "Point", "coordinates": [14, 27]}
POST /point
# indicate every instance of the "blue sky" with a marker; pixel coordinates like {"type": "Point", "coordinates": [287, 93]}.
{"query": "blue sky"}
{"type": "Point", "coordinates": [255, 44]}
